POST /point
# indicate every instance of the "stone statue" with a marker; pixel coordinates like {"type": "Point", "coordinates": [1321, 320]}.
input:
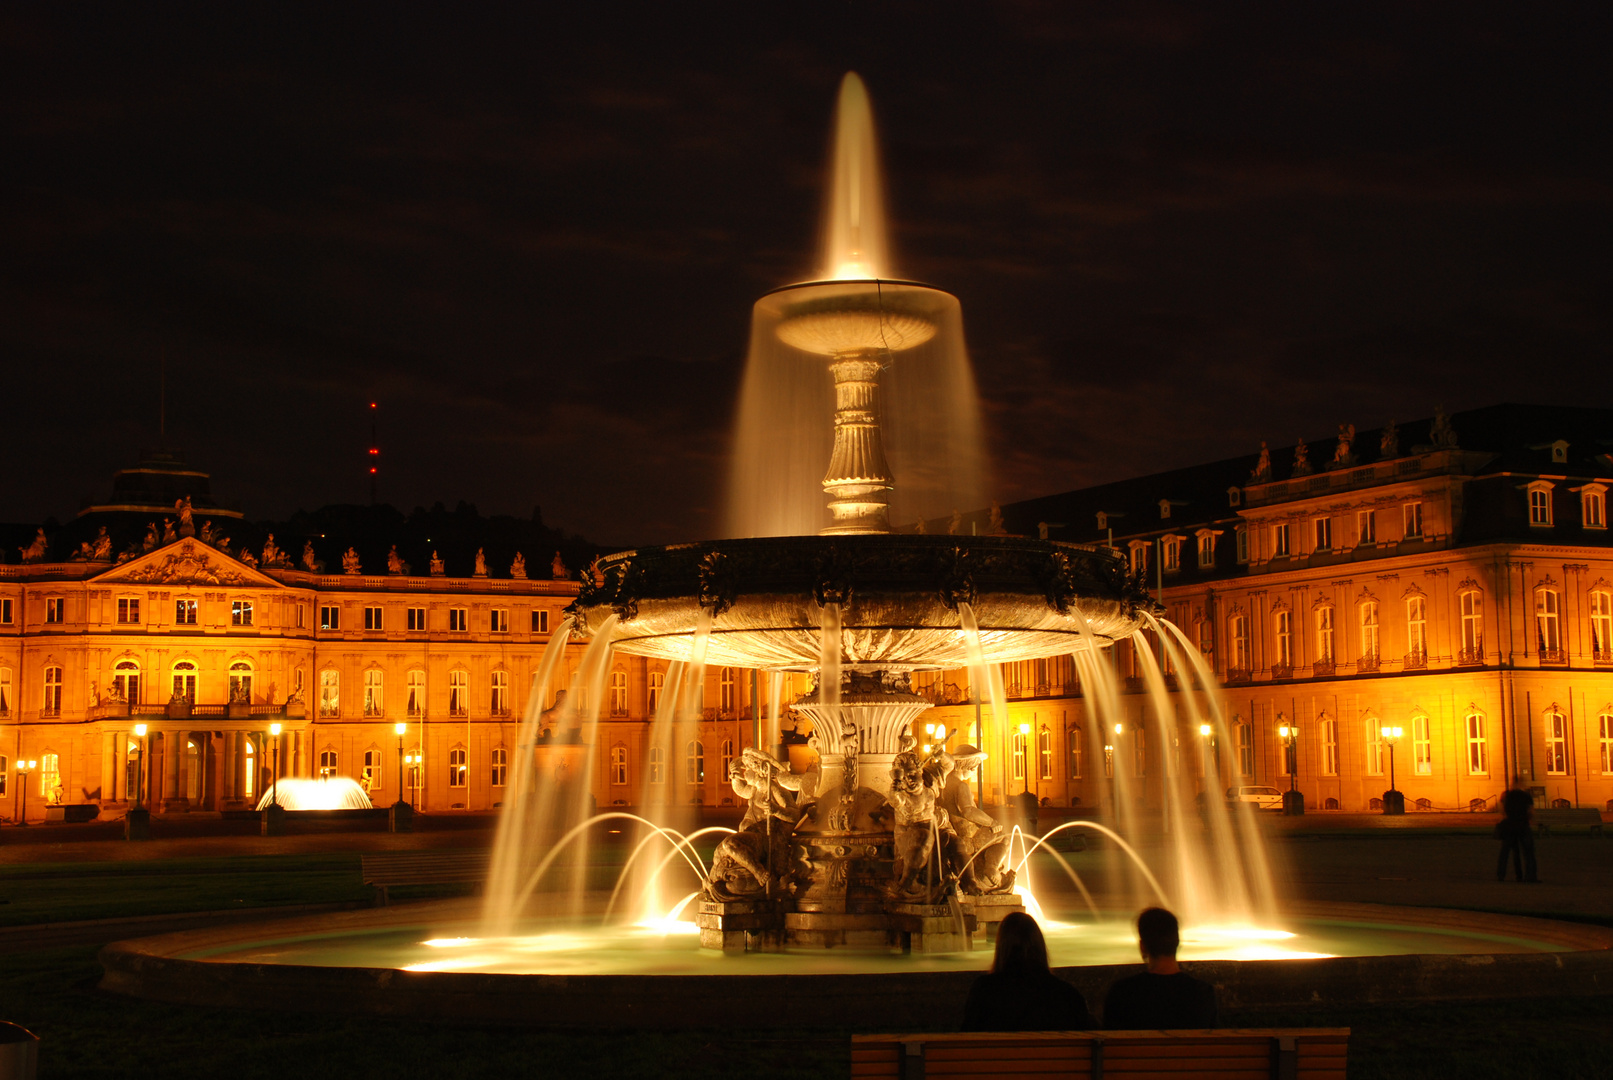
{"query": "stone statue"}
{"type": "Point", "coordinates": [996, 522]}
{"type": "Point", "coordinates": [980, 851]}
{"type": "Point", "coordinates": [350, 563]}
{"type": "Point", "coordinates": [101, 548]}
{"type": "Point", "coordinates": [35, 552]}
{"type": "Point", "coordinates": [246, 557]}
{"type": "Point", "coordinates": [150, 543]}
{"type": "Point", "coordinates": [168, 534]}
{"type": "Point", "coordinates": [913, 798]}
{"type": "Point", "coordinates": [1302, 459]}
{"type": "Point", "coordinates": [955, 526]}
{"type": "Point", "coordinates": [238, 693]}
{"type": "Point", "coordinates": [206, 532]}
{"type": "Point", "coordinates": [95, 694]}
{"type": "Point", "coordinates": [394, 563]}
{"type": "Point", "coordinates": [1262, 469]}
{"type": "Point", "coordinates": [557, 568]}
{"type": "Point", "coordinates": [310, 561]}
{"type": "Point", "coordinates": [82, 554]}
{"type": "Point", "coordinates": [518, 567]}
{"type": "Point", "coordinates": [1441, 434]}
{"type": "Point", "coordinates": [480, 570]}
{"type": "Point", "coordinates": [1389, 441]}
{"type": "Point", "coordinates": [920, 529]}
{"type": "Point", "coordinates": [754, 861]}
{"type": "Point", "coordinates": [223, 544]}
{"type": "Point", "coordinates": [1343, 455]}
{"type": "Point", "coordinates": [272, 555]}
{"type": "Point", "coordinates": [436, 565]}
{"type": "Point", "coordinates": [187, 523]}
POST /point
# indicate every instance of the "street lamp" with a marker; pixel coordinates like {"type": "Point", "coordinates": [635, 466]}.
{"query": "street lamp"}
{"type": "Point", "coordinates": [140, 768]}
{"type": "Point", "coordinates": [1293, 798]}
{"type": "Point", "coordinates": [1393, 801]}
{"type": "Point", "coordinates": [400, 729]}
{"type": "Point", "coordinates": [413, 760]}
{"type": "Point", "coordinates": [274, 786]}
{"type": "Point", "coordinates": [23, 769]}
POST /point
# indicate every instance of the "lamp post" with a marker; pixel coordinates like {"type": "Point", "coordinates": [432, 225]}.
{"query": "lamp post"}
{"type": "Point", "coordinates": [1393, 801]}
{"type": "Point", "coordinates": [1293, 798]}
{"type": "Point", "coordinates": [1212, 755]}
{"type": "Point", "coordinates": [400, 729]}
{"type": "Point", "coordinates": [140, 769]}
{"type": "Point", "coordinates": [401, 817]}
{"type": "Point", "coordinates": [274, 785]}
{"type": "Point", "coordinates": [23, 769]}
{"type": "Point", "coordinates": [1025, 756]}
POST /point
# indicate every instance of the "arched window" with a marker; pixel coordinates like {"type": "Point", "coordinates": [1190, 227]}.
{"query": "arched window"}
{"type": "Point", "coordinates": [370, 776]}
{"type": "Point", "coordinates": [456, 767]}
{"type": "Point", "coordinates": [185, 681]}
{"type": "Point", "coordinates": [415, 691]}
{"type": "Point", "coordinates": [1416, 631]}
{"type": "Point", "coordinates": [657, 765]}
{"type": "Point", "coordinates": [1478, 748]}
{"type": "Point", "coordinates": [1369, 634]}
{"type": "Point", "coordinates": [327, 763]}
{"type": "Point", "coordinates": [1017, 755]}
{"type": "Point", "coordinates": [459, 693]}
{"type": "Point", "coordinates": [1540, 503]}
{"type": "Point", "coordinates": [1556, 727]}
{"type": "Point", "coordinates": [1246, 747]}
{"type": "Point", "coordinates": [695, 763]}
{"type": "Point", "coordinates": [1330, 746]}
{"type": "Point", "coordinates": [415, 773]}
{"type": "Point", "coordinates": [500, 766]}
{"type": "Point", "coordinates": [1324, 634]}
{"type": "Point", "coordinates": [725, 686]}
{"type": "Point", "coordinates": [1548, 626]}
{"type": "Point", "coordinates": [499, 693]}
{"type": "Point", "coordinates": [50, 776]}
{"type": "Point", "coordinates": [1374, 746]}
{"type": "Point", "coordinates": [1077, 741]}
{"type": "Point", "coordinates": [249, 767]}
{"type": "Point", "coordinates": [125, 683]}
{"type": "Point", "coordinates": [1602, 626]}
{"type": "Point", "coordinates": [657, 684]}
{"type": "Point", "coordinates": [1422, 746]}
{"type": "Point", "coordinates": [1044, 753]}
{"type": "Point", "coordinates": [618, 765]}
{"type": "Point", "coordinates": [618, 692]}
{"type": "Point", "coordinates": [330, 693]}
{"type": "Point", "coordinates": [374, 697]}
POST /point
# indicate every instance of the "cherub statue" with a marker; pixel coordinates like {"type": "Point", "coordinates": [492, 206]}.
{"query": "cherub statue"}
{"type": "Point", "coordinates": [310, 561]}
{"type": "Point", "coordinates": [272, 555]}
{"type": "Point", "coordinates": [518, 567]}
{"type": "Point", "coordinates": [913, 798]}
{"type": "Point", "coordinates": [749, 863]}
{"type": "Point", "coordinates": [168, 534]}
{"type": "Point", "coordinates": [395, 563]}
{"type": "Point", "coordinates": [350, 562]}
{"type": "Point", "coordinates": [101, 547]}
{"type": "Point", "coordinates": [35, 551]}
{"type": "Point", "coordinates": [557, 568]}
{"type": "Point", "coordinates": [187, 523]}
{"type": "Point", "coordinates": [980, 850]}
{"type": "Point", "coordinates": [480, 570]}
{"type": "Point", "coordinates": [1262, 469]}
{"type": "Point", "coordinates": [1302, 459]}
{"type": "Point", "coordinates": [151, 541]}
{"type": "Point", "coordinates": [436, 565]}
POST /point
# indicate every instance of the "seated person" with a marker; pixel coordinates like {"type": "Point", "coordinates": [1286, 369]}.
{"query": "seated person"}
{"type": "Point", "coordinates": [1163, 996]}
{"type": "Point", "coordinates": [1021, 993]}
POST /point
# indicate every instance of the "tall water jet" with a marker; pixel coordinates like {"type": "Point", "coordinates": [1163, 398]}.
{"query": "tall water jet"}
{"type": "Point", "coordinates": [855, 242]}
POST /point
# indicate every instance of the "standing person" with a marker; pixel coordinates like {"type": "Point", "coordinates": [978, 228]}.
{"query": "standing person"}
{"type": "Point", "coordinates": [1163, 995]}
{"type": "Point", "coordinates": [1517, 838]}
{"type": "Point", "coordinates": [1020, 992]}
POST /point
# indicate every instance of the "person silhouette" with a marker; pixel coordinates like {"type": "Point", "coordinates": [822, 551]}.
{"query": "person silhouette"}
{"type": "Point", "coordinates": [1020, 992]}
{"type": "Point", "coordinates": [1517, 838]}
{"type": "Point", "coordinates": [1162, 996]}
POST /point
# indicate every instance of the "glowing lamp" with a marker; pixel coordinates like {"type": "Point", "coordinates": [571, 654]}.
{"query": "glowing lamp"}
{"type": "Point", "coordinates": [140, 731]}
{"type": "Point", "coordinates": [400, 728]}
{"type": "Point", "coordinates": [274, 729]}
{"type": "Point", "coordinates": [1120, 729]}
{"type": "Point", "coordinates": [1204, 729]}
{"type": "Point", "coordinates": [1024, 729]}
{"type": "Point", "coordinates": [929, 729]}
{"type": "Point", "coordinates": [940, 733]}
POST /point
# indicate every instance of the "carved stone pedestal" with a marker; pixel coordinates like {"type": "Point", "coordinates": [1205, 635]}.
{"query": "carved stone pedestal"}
{"type": "Point", "coordinates": [742, 925]}
{"type": "Point", "coordinates": [839, 929]}
{"type": "Point", "coordinates": [931, 927]}
{"type": "Point", "coordinates": [989, 910]}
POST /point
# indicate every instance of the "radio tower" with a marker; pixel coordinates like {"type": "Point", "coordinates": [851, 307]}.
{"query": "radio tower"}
{"type": "Point", "coordinates": [375, 454]}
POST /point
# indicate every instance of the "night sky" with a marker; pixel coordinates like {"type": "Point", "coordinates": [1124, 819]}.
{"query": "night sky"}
{"type": "Point", "coordinates": [534, 240]}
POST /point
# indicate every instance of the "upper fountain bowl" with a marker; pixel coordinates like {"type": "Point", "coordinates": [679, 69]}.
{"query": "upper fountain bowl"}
{"type": "Point", "coordinates": [844, 318]}
{"type": "Point", "coordinates": [899, 596]}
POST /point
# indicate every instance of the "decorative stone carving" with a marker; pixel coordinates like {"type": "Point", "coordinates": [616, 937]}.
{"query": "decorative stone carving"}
{"type": "Point", "coordinates": [436, 565]}
{"type": "Point", "coordinates": [1261, 473]}
{"type": "Point", "coordinates": [518, 567]}
{"type": "Point", "coordinates": [914, 789]}
{"type": "Point", "coordinates": [957, 584]}
{"type": "Point", "coordinates": [190, 565]}
{"type": "Point", "coordinates": [481, 564]}
{"type": "Point", "coordinates": [717, 590]}
{"type": "Point", "coordinates": [1389, 441]}
{"type": "Point", "coordinates": [246, 557]}
{"type": "Point", "coordinates": [187, 523]}
{"type": "Point", "coordinates": [350, 562]}
{"type": "Point", "coordinates": [1302, 459]}
{"type": "Point", "coordinates": [755, 861]}
{"type": "Point", "coordinates": [206, 532]}
{"type": "Point", "coordinates": [833, 585]}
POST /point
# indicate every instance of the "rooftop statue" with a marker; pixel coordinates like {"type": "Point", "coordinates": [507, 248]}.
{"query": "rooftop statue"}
{"type": "Point", "coordinates": [246, 557]}
{"type": "Point", "coordinates": [557, 568]}
{"type": "Point", "coordinates": [395, 563]}
{"type": "Point", "coordinates": [101, 546]}
{"type": "Point", "coordinates": [35, 551]}
{"type": "Point", "coordinates": [995, 527]}
{"type": "Point", "coordinates": [1389, 441]}
{"type": "Point", "coordinates": [350, 562]}
{"type": "Point", "coordinates": [1343, 454]}
{"type": "Point", "coordinates": [151, 541]}
{"type": "Point", "coordinates": [187, 523]}
{"type": "Point", "coordinates": [1302, 459]}
{"type": "Point", "coordinates": [206, 531]}
{"type": "Point", "coordinates": [1441, 434]}
{"type": "Point", "coordinates": [955, 526]}
{"type": "Point", "coordinates": [518, 567]}
{"type": "Point", "coordinates": [272, 555]}
{"type": "Point", "coordinates": [1262, 469]}
{"type": "Point", "coordinates": [480, 569]}
{"type": "Point", "coordinates": [168, 534]}
{"type": "Point", "coordinates": [436, 565]}
{"type": "Point", "coordinates": [310, 561]}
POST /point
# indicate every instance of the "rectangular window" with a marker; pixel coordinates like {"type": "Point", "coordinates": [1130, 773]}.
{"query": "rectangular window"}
{"type": "Point", "coordinates": [1369, 632]}
{"type": "Point", "coordinates": [1324, 534]}
{"type": "Point", "coordinates": [456, 768]}
{"type": "Point", "coordinates": [1242, 535]}
{"type": "Point", "coordinates": [1422, 746]}
{"type": "Point", "coordinates": [618, 766]}
{"type": "Point", "coordinates": [1417, 630]}
{"type": "Point", "coordinates": [1279, 541]}
{"type": "Point", "coordinates": [1374, 747]}
{"type": "Point", "coordinates": [1366, 527]}
{"type": "Point", "coordinates": [1472, 605]}
{"type": "Point", "coordinates": [1284, 657]}
{"type": "Point", "coordinates": [1602, 626]}
{"type": "Point", "coordinates": [1206, 550]}
{"type": "Point", "coordinates": [52, 703]}
{"type": "Point", "coordinates": [302, 617]}
{"type": "Point", "coordinates": [1556, 744]}
{"type": "Point", "coordinates": [128, 610]}
{"type": "Point", "coordinates": [373, 696]}
{"type": "Point", "coordinates": [458, 693]}
{"type": "Point", "coordinates": [185, 612]}
{"type": "Point", "coordinates": [1548, 627]}
{"type": "Point", "coordinates": [370, 776]}
{"type": "Point", "coordinates": [1075, 753]}
{"type": "Point", "coordinates": [540, 621]}
{"type": "Point", "coordinates": [330, 617]}
{"type": "Point", "coordinates": [330, 694]}
{"type": "Point", "coordinates": [1411, 515]}
{"type": "Point", "coordinates": [373, 618]}
{"type": "Point", "coordinates": [1238, 627]}
{"type": "Point", "coordinates": [501, 766]}
{"type": "Point", "coordinates": [417, 619]}
{"type": "Point", "coordinates": [1478, 750]}
{"type": "Point", "coordinates": [5, 611]}
{"type": "Point", "coordinates": [456, 619]}
{"type": "Point", "coordinates": [5, 691]}
{"type": "Point", "coordinates": [415, 694]}
{"type": "Point", "coordinates": [1044, 753]}
{"type": "Point", "coordinates": [240, 613]}
{"type": "Point", "coordinates": [1540, 506]}
{"type": "Point", "coordinates": [499, 620]}
{"type": "Point", "coordinates": [55, 609]}
{"type": "Point", "coordinates": [1139, 557]}
{"type": "Point", "coordinates": [327, 763]}
{"type": "Point", "coordinates": [500, 686]}
{"type": "Point", "coordinates": [1018, 759]}
{"type": "Point", "coordinates": [1324, 633]}
{"type": "Point", "coordinates": [1593, 509]}
{"type": "Point", "coordinates": [1173, 554]}
{"type": "Point", "coordinates": [1330, 747]}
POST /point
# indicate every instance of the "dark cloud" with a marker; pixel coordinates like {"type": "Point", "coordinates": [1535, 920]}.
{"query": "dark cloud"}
{"type": "Point", "coordinates": [534, 235]}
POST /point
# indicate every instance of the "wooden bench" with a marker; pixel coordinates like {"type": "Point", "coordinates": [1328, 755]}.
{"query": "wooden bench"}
{"type": "Point", "coordinates": [1546, 820]}
{"type": "Point", "coordinates": [1228, 1054]}
{"type": "Point", "coordinates": [384, 869]}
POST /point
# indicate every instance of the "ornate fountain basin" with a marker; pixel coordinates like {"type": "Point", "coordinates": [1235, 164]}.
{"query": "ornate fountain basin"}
{"type": "Point", "coordinates": [838, 318]}
{"type": "Point", "coordinates": [899, 598]}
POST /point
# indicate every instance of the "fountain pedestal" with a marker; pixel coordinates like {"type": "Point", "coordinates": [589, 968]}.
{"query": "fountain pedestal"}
{"type": "Point", "coordinates": [742, 925]}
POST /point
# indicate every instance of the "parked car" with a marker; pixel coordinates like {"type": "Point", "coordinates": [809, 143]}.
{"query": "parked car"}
{"type": "Point", "coordinates": [1264, 798]}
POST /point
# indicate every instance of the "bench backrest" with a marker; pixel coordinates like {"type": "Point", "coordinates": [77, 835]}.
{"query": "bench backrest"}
{"type": "Point", "coordinates": [409, 867]}
{"type": "Point", "coordinates": [1227, 1054]}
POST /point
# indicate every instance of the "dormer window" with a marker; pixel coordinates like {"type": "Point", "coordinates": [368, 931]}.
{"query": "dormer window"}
{"type": "Point", "coordinates": [1540, 504]}
{"type": "Point", "coordinates": [1172, 553]}
{"type": "Point", "coordinates": [1164, 509]}
{"type": "Point", "coordinates": [1139, 556]}
{"type": "Point", "coordinates": [1592, 506]}
{"type": "Point", "coordinates": [1234, 496]}
{"type": "Point", "coordinates": [1559, 452]}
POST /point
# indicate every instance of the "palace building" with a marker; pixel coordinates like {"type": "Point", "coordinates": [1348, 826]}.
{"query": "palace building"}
{"type": "Point", "coordinates": [1452, 578]}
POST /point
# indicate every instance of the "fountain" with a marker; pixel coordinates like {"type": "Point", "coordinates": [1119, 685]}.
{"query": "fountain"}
{"type": "Point", "coordinates": [863, 866]}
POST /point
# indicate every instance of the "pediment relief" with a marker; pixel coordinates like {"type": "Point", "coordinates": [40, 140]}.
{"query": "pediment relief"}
{"type": "Point", "coordinates": [185, 562]}
{"type": "Point", "coordinates": [1467, 584]}
{"type": "Point", "coordinates": [1411, 591]}
{"type": "Point", "coordinates": [1366, 597]}
{"type": "Point", "coordinates": [1547, 582]}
